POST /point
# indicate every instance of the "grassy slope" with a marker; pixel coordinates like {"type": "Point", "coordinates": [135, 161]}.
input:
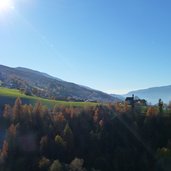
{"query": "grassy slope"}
{"type": "Point", "coordinates": [8, 96]}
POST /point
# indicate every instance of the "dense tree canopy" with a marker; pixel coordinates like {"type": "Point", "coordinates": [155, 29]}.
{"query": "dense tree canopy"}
{"type": "Point", "coordinates": [108, 137]}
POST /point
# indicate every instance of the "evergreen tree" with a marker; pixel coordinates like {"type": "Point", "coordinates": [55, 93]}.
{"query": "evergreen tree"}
{"type": "Point", "coordinates": [160, 104]}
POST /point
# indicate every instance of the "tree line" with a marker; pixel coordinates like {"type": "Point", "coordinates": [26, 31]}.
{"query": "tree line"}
{"type": "Point", "coordinates": [108, 137]}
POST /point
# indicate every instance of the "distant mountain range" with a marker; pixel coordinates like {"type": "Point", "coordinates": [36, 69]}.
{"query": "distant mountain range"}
{"type": "Point", "coordinates": [153, 94]}
{"type": "Point", "coordinates": [121, 97]}
{"type": "Point", "coordinates": [43, 85]}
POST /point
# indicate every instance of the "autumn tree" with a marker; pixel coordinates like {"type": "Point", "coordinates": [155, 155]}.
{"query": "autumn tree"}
{"type": "Point", "coordinates": [56, 109]}
{"type": "Point", "coordinates": [7, 111]}
{"type": "Point", "coordinates": [59, 141]}
{"type": "Point", "coordinates": [37, 118]}
{"type": "Point", "coordinates": [68, 138]}
{"type": "Point", "coordinates": [4, 152]}
{"type": "Point", "coordinates": [151, 111]}
{"type": "Point", "coordinates": [96, 115]}
{"type": "Point", "coordinates": [56, 166]}
{"type": "Point", "coordinates": [12, 130]}
{"type": "Point", "coordinates": [7, 116]}
{"type": "Point", "coordinates": [44, 145]}
{"type": "Point", "coordinates": [17, 110]}
{"type": "Point", "coordinates": [164, 159]}
{"type": "Point", "coordinates": [68, 135]}
{"type": "Point", "coordinates": [126, 107]}
{"type": "Point", "coordinates": [37, 108]}
{"type": "Point", "coordinates": [44, 164]}
{"type": "Point", "coordinates": [77, 165]}
{"type": "Point", "coordinates": [27, 111]}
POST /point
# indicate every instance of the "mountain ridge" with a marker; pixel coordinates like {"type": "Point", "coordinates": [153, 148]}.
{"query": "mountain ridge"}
{"type": "Point", "coordinates": [153, 94]}
{"type": "Point", "coordinates": [46, 86]}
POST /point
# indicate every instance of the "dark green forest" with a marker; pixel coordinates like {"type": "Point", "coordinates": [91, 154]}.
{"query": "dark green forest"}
{"type": "Point", "coordinates": [106, 137]}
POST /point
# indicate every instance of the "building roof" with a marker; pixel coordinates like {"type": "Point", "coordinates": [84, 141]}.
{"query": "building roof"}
{"type": "Point", "coordinates": [129, 99]}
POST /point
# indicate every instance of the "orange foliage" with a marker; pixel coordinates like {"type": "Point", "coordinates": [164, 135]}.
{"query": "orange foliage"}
{"type": "Point", "coordinates": [7, 111]}
{"type": "Point", "coordinates": [58, 117]}
{"type": "Point", "coordinates": [96, 115]}
{"type": "Point", "coordinates": [12, 130]}
{"type": "Point", "coordinates": [4, 152]}
{"type": "Point", "coordinates": [152, 111]}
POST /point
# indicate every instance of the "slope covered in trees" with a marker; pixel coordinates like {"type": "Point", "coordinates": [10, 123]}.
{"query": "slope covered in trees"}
{"type": "Point", "coordinates": [43, 85]}
{"type": "Point", "coordinates": [106, 138]}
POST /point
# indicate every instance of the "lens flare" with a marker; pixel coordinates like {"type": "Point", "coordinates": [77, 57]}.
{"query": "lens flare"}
{"type": "Point", "coordinates": [6, 5]}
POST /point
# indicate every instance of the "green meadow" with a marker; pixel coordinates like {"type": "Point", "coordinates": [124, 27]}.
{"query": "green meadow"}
{"type": "Point", "coordinates": [8, 96]}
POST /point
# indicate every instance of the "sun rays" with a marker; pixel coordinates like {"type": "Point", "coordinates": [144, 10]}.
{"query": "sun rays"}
{"type": "Point", "coordinates": [6, 5]}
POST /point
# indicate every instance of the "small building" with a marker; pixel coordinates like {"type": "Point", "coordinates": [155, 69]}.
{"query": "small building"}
{"type": "Point", "coordinates": [142, 102]}
{"type": "Point", "coordinates": [130, 100]}
{"type": "Point", "coordinates": [135, 100]}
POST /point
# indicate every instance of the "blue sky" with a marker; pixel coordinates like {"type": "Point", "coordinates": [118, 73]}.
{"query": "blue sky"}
{"type": "Point", "coordinates": [110, 45]}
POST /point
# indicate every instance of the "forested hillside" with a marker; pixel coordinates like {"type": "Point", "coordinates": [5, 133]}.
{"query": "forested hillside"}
{"type": "Point", "coordinates": [109, 137]}
{"type": "Point", "coordinates": [43, 85]}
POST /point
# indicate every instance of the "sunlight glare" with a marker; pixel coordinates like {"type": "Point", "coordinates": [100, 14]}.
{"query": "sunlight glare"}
{"type": "Point", "coordinates": [6, 5]}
